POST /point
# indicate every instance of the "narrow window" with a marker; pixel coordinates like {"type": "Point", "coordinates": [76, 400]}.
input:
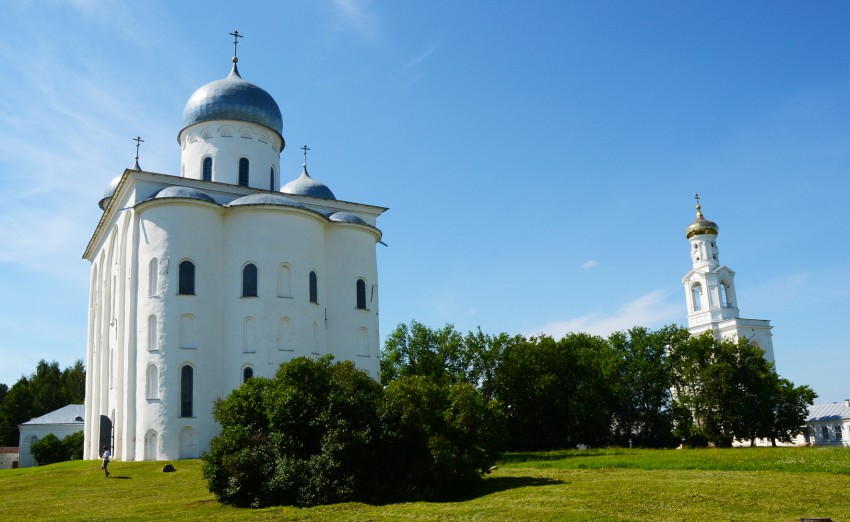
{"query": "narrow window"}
{"type": "Point", "coordinates": [153, 277]}
{"type": "Point", "coordinates": [271, 178]}
{"type": "Point", "coordinates": [153, 340]}
{"type": "Point", "coordinates": [361, 294]}
{"type": "Point", "coordinates": [284, 334]}
{"type": "Point", "coordinates": [314, 288]}
{"type": "Point", "coordinates": [186, 383]}
{"type": "Point", "coordinates": [825, 432]}
{"type": "Point", "coordinates": [249, 280]}
{"type": "Point", "coordinates": [284, 281]}
{"type": "Point", "coordinates": [247, 373]}
{"type": "Point", "coordinates": [724, 295]}
{"type": "Point", "coordinates": [207, 171]}
{"type": "Point", "coordinates": [153, 382]}
{"type": "Point", "coordinates": [243, 172]}
{"type": "Point", "coordinates": [696, 291]}
{"type": "Point", "coordinates": [837, 432]}
{"type": "Point", "coordinates": [363, 342]}
{"type": "Point", "coordinates": [186, 335]}
{"type": "Point", "coordinates": [186, 278]}
{"type": "Point", "coordinates": [249, 340]}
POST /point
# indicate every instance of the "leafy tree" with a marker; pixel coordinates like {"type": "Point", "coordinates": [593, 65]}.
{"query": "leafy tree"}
{"type": "Point", "coordinates": [48, 450]}
{"type": "Point", "coordinates": [73, 445]}
{"type": "Point", "coordinates": [419, 350]}
{"type": "Point", "coordinates": [790, 410]}
{"type": "Point", "coordinates": [323, 432]}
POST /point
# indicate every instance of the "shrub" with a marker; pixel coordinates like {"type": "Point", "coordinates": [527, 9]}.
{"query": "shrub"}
{"type": "Point", "coordinates": [48, 450]}
{"type": "Point", "coordinates": [73, 445]}
{"type": "Point", "coordinates": [321, 433]}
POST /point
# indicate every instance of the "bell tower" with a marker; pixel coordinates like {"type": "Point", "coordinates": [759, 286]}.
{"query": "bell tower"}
{"type": "Point", "coordinates": [710, 291]}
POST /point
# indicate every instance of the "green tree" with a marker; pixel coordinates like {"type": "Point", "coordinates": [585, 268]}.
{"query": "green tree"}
{"type": "Point", "coordinates": [419, 350]}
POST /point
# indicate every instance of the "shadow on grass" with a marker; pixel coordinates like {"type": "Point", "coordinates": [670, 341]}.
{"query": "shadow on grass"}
{"type": "Point", "coordinates": [529, 456]}
{"type": "Point", "coordinates": [499, 484]}
{"type": "Point", "coordinates": [119, 477]}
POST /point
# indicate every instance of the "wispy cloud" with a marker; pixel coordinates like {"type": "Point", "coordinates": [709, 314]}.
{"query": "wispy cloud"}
{"type": "Point", "coordinates": [590, 264]}
{"type": "Point", "coordinates": [355, 16]}
{"type": "Point", "coordinates": [650, 310]}
{"type": "Point", "coordinates": [412, 71]}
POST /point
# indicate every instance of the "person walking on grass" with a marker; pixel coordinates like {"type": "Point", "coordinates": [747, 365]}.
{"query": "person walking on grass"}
{"type": "Point", "coordinates": [105, 456]}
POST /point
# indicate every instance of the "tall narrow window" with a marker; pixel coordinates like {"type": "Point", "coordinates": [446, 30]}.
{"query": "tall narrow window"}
{"type": "Point", "coordinates": [284, 281]}
{"type": "Point", "coordinates": [271, 178]}
{"type": "Point", "coordinates": [153, 382]}
{"type": "Point", "coordinates": [363, 342]}
{"type": "Point", "coordinates": [249, 338]}
{"type": "Point", "coordinates": [249, 280]}
{"type": "Point", "coordinates": [186, 393]}
{"type": "Point", "coordinates": [207, 170]}
{"type": "Point", "coordinates": [284, 334]}
{"type": "Point", "coordinates": [314, 288]}
{"type": "Point", "coordinates": [243, 172]}
{"type": "Point", "coordinates": [247, 373]}
{"type": "Point", "coordinates": [153, 339]}
{"type": "Point", "coordinates": [186, 278]}
{"type": "Point", "coordinates": [724, 295]}
{"type": "Point", "coordinates": [361, 294]}
{"type": "Point", "coordinates": [696, 292]}
{"type": "Point", "coordinates": [153, 277]}
{"type": "Point", "coordinates": [186, 335]}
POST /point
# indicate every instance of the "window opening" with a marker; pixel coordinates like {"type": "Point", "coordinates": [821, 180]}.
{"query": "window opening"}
{"type": "Point", "coordinates": [314, 288]}
{"type": "Point", "coordinates": [186, 383]}
{"type": "Point", "coordinates": [361, 294]}
{"type": "Point", "coordinates": [243, 172]}
{"type": "Point", "coordinates": [207, 170]}
{"type": "Point", "coordinates": [249, 280]}
{"type": "Point", "coordinates": [186, 277]}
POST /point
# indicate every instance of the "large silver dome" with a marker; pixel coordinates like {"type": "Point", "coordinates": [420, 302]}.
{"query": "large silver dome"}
{"type": "Point", "coordinates": [233, 99]}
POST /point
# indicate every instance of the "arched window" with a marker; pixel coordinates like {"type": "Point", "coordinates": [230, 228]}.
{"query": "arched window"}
{"type": "Point", "coordinates": [284, 281]}
{"type": "Point", "coordinates": [187, 379]}
{"type": "Point", "coordinates": [249, 339]}
{"type": "Point", "coordinates": [361, 294]}
{"type": "Point", "coordinates": [249, 280]}
{"type": "Point", "coordinates": [152, 382]}
{"type": "Point", "coordinates": [186, 278]}
{"type": "Point", "coordinates": [243, 172]}
{"type": "Point", "coordinates": [724, 295]}
{"type": "Point", "coordinates": [314, 287]}
{"type": "Point", "coordinates": [284, 334]}
{"type": "Point", "coordinates": [247, 373]}
{"type": "Point", "coordinates": [153, 277]}
{"type": "Point", "coordinates": [186, 335]}
{"type": "Point", "coordinates": [696, 292]}
{"type": "Point", "coordinates": [153, 338]}
{"type": "Point", "coordinates": [271, 178]}
{"type": "Point", "coordinates": [207, 170]}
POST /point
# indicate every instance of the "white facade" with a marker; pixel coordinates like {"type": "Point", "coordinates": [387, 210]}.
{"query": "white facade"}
{"type": "Point", "coordinates": [201, 280]}
{"type": "Point", "coordinates": [710, 292]}
{"type": "Point", "coordinates": [61, 423]}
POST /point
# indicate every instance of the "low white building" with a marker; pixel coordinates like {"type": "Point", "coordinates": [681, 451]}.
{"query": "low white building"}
{"type": "Point", "coordinates": [8, 457]}
{"type": "Point", "coordinates": [827, 425]}
{"type": "Point", "coordinates": [61, 423]}
{"type": "Point", "coordinates": [206, 278]}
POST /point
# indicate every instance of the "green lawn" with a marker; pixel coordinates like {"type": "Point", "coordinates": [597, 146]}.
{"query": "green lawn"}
{"type": "Point", "coordinates": [614, 484]}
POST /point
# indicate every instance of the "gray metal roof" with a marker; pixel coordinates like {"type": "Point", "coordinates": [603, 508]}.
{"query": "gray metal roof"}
{"type": "Point", "coordinates": [177, 191]}
{"type": "Point", "coordinates": [109, 192]}
{"type": "Point", "coordinates": [66, 415]}
{"type": "Point", "coordinates": [233, 99]}
{"type": "Point", "coordinates": [265, 199]}
{"type": "Point", "coordinates": [304, 185]}
{"type": "Point", "coordinates": [826, 412]}
{"type": "Point", "coordinates": [345, 217]}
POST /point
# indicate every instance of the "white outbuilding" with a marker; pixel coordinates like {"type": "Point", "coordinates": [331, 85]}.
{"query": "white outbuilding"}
{"type": "Point", "coordinates": [61, 423]}
{"type": "Point", "coordinates": [202, 280]}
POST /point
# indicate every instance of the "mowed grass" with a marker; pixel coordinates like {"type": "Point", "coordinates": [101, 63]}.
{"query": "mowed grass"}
{"type": "Point", "coordinates": [747, 484]}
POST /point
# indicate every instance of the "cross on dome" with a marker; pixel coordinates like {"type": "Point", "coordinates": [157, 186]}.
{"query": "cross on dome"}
{"type": "Point", "coordinates": [139, 141]}
{"type": "Point", "coordinates": [236, 36]}
{"type": "Point", "coordinates": [305, 149]}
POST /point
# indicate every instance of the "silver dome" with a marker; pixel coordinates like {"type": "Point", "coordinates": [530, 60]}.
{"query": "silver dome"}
{"type": "Point", "coordinates": [304, 185]}
{"type": "Point", "coordinates": [182, 192]}
{"type": "Point", "coordinates": [233, 99]}
{"type": "Point", "coordinates": [109, 192]}
{"type": "Point", "coordinates": [265, 199]}
{"type": "Point", "coordinates": [345, 217]}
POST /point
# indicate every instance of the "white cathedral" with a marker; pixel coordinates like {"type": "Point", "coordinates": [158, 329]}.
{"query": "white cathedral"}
{"type": "Point", "coordinates": [203, 280]}
{"type": "Point", "coordinates": [710, 292]}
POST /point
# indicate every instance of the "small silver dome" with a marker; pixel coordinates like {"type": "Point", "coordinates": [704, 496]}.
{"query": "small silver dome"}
{"type": "Point", "coordinates": [182, 192]}
{"type": "Point", "coordinates": [233, 99]}
{"type": "Point", "coordinates": [345, 217]}
{"type": "Point", "coordinates": [109, 192]}
{"type": "Point", "coordinates": [304, 185]}
{"type": "Point", "coordinates": [265, 199]}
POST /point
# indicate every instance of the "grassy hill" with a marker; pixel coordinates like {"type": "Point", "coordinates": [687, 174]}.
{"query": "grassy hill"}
{"type": "Point", "coordinates": [613, 484]}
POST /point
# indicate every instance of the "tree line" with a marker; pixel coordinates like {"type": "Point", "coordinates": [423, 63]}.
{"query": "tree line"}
{"type": "Point", "coordinates": [637, 388]}
{"type": "Point", "coordinates": [46, 390]}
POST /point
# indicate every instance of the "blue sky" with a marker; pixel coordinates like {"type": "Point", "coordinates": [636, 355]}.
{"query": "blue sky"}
{"type": "Point", "coordinates": [539, 159]}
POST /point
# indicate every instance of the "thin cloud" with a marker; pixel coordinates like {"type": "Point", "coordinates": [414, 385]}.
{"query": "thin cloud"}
{"type": "Point", "coordinates": [650, 310]}
{"type": "Point", "coordinates": [590, 264]}
{"type": "Point", "coordinates": [353, 15]}
{"type": "Point", "coordinates": [412, 71]}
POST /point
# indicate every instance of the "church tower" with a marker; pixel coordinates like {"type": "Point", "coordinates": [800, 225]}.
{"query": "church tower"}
{"type": "Point", "coordinates": [710, 291]}
{"type": "Point", "coordinates": [204, 279]}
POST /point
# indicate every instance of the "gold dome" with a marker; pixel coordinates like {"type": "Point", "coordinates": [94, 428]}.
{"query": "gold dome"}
{"type": "Point", "coordinates": [700, 224]}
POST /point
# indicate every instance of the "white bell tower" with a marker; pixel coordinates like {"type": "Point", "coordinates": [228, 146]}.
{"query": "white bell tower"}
{"type": "Point", "coordinates": [710, 291]}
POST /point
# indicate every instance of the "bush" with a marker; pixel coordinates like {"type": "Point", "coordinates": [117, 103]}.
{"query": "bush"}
{"type": "Point", "coordinates": [321, 433]}
{"type": "Point", "coordinates": [50, 449]}
{"type": "Point", "coordinates": [73, 445]}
